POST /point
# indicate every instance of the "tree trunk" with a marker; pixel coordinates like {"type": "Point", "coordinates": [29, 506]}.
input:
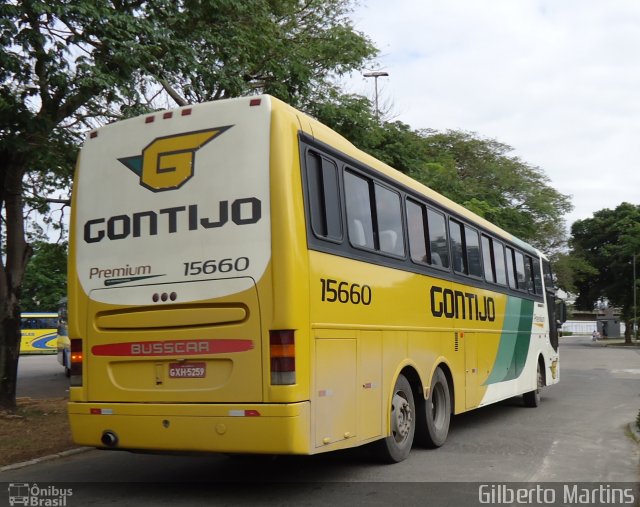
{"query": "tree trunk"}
{"type": "Point", "coordinates": [17, 253]}
{"type": "Point", "coordinates": [9, 354]}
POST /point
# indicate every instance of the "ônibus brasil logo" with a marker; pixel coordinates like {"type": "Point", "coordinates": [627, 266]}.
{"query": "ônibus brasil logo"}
{"type": "Point", "coordinates": [168, 162]}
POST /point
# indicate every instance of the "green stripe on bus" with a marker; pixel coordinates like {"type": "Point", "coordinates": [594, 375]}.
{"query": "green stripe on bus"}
{"type": "Point", "coordinates": [514, 341]}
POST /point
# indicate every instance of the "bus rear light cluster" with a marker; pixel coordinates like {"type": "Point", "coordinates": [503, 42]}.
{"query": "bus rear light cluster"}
{"type": "Point", "coordinates": [76, 362]}
{"type": "Point", "coordinates": [282, 352]}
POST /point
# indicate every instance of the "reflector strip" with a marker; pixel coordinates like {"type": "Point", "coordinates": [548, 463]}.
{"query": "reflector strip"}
{"type": "Point", "coordinates": [244, 413]}
{"type": "Point", "coordinates": [101, 411]}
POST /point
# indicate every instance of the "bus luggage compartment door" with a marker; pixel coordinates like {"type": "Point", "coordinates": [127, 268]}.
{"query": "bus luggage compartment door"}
{"type": "Point", "coordinates": [200, 345]}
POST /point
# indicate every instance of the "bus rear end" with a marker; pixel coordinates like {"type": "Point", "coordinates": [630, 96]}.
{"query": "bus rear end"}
{"type": "Point", "coordinates": [170, 254]}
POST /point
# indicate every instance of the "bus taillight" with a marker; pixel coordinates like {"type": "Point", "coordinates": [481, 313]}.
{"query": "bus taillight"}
{"type": "Point", "coordinates": [282, 349]}
{"type": "Point", "coordinates": [76, 362]}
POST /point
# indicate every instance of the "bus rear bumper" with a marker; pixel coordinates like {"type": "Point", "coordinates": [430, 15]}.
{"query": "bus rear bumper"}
{"type": "Point", "coordinates": [256, 428]}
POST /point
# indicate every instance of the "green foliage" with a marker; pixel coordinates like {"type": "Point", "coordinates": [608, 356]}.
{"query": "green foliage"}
{"type": "Point", "coordinates": [605, 245]}
{"type": "Point", "coordinates": [569, 269]}
{"type": "Point", "coordinates": [483, 176]}
{"type": "Point", "coordinates": [45, 280]}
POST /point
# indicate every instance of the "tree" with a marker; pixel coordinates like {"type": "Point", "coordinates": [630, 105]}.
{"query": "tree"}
{"type": "Point", "coordinates": [69, 64]}
{"type": "Point", "coordinates": [45, 279]}
{"type": "Point", "coordinates": [478, 173]}
{"type": "Point", "coordinates": [607, 243]}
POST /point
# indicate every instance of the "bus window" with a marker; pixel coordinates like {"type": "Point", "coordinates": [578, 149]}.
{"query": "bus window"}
{"type": "Point", "coordinates": [417, 239]}
{"type": "Point", "coordinates": [498, 261]}
{"type": "Point", "coordinates": [39, 323]}
{"type": "Point", "coordinates": [487, 255]}
{"type": "Point", "coordinates": [472, 243]}
{"type": "Point", "coordinates": [324, 202]}
{"type": "Point", "coordinates": [511, 273]}
{"type": "Point", "coordinates": [457, 252]}
{"type": "Point", "coordinates": [360, 224]}
{"type": "Point", "coordinates": [438, 244]}
{"type": "Point", "coordinates": [537, 279]}
{"type": "Point", "coordinates": [548, 277]}
{"type": "Point", "coordinates": [528, 272]}
{"type": "Point", "coordinates": [389, 217]}
{"type": "Point", "coordinates": [521, 276]}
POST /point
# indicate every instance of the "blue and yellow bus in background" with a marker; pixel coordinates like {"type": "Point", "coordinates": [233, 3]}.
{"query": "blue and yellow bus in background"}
{"type": "Point", "coordinates": [39, 333]}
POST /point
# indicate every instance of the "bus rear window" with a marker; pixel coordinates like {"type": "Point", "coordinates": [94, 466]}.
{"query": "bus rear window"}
{"type": "Point", "coordinates": [324, 197]}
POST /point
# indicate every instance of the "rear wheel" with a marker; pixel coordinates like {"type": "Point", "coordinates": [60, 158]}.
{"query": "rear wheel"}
{"type": "Point", "coordinates": [397, 446]}
{"type": "Point", "coordinates": [437, 411]}
{"type": "Point", "coordinates": [532, 398]}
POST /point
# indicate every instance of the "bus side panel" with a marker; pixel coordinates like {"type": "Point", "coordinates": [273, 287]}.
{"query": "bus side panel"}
{"type": "Point", "coordinates": [284, 303]}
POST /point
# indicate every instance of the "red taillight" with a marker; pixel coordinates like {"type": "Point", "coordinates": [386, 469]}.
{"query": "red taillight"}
{"type": "Point", "coordinates": [282, 352]}
{"type": "Point", "coordinates": [76, 362]}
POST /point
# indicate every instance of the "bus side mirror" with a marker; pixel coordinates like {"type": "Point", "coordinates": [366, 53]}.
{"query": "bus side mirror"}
{"type": "Point", "coordinates": [561, 311]}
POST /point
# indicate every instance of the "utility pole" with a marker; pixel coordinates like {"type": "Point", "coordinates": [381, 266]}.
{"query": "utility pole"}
{"type": "Point", "coordinates": [635, 310]}
{"type": "Point", "coordinates": [375, 75]}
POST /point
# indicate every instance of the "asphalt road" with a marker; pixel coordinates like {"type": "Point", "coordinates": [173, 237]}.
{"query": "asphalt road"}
{"type": "Point", "coordinates": [578, 434]}
{"type": "Point", "coordinates": [41, 376]}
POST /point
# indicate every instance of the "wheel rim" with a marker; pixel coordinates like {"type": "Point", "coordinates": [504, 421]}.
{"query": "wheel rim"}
{"type": "Point", "coordinates": [401, 417]}
{"type": "Point", "coordinates": [437, 406]}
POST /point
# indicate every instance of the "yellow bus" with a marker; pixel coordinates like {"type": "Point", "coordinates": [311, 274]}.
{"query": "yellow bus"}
{"type": "Point", "coordinates": [242, 279]}
{"type": "Point", "coordinates": [38, 331]}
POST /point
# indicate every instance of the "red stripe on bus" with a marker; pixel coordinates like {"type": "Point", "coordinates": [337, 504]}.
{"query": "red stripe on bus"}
{"type": "Point", "coordinates": [172, 348]}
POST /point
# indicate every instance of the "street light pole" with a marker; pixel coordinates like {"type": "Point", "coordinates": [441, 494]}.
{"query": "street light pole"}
{"type": "Point", "coordinates": [375, 75]}
{"type": "Point", "coordinates": [635, 311]}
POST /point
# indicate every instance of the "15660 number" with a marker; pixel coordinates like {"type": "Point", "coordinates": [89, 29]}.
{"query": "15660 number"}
{"type": "Point", "coordinates": [345, 292]}
{"type": "Point", "coordinates": [215, 266]}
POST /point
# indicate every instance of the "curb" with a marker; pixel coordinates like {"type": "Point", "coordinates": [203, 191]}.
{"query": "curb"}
{"type": "Point", "coordinates": [51, 457]}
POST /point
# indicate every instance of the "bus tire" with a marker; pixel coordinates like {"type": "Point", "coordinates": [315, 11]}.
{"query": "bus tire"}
{"type": "Point", "coordinates": [532, 398]}
{"type": "Point", "coordinates": [397, 446]}
{"type": "Point", "coordinates": [437, 411]}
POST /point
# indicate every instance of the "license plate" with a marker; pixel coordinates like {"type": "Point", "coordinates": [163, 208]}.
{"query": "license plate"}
{"type": "Point", "coordinates": [187, 370]}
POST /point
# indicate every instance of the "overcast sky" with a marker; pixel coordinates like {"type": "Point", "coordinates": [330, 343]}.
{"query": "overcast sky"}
{"type": "Point", "coordinates": [558, 80]}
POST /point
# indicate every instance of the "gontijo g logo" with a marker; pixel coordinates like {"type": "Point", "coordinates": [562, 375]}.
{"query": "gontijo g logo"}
{"type": "Point", "coordinates": [168, 162]}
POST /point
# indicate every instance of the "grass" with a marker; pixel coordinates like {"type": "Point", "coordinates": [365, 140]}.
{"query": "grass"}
{"type": "Point", "coordinates": [37, 428]}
